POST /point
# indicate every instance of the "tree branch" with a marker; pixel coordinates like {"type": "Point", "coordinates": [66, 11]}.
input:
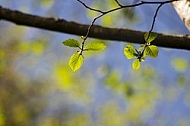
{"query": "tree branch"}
{"type": "Point", "coordinates": [61, 25]}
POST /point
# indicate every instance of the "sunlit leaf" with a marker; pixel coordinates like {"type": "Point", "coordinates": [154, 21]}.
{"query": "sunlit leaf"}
{"type": "Point", "coordinates": [130, 52]}
{"type": "Point", "coordinates": [71, 43]}
{"type": "Point", "coordinates": [76, 61]}
{"type": "Point", "coordinates": [136, 64]}
{"type": "Point", "coordinates": [95, 46]}
{"type": "Point", "coordinates": [149, 37]}
{"type": "Point", "coordinates": [151, 51]}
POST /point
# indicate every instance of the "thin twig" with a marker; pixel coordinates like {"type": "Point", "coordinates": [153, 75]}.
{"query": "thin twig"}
{"type": "Point", "coordinates": [118, 8]}
{"type": "Point", "coordinates": [118, 3]}
{"type": "Point", "coordinates": [90, 7]}
{"type": "Point", "coordinates": [153, 21]}
{"type": "Point", "coordinates": [88, 31]}
{"type": "Point", "coordinates": [137, 4]}
{"type": "Point", "coordinates": [154, 18]}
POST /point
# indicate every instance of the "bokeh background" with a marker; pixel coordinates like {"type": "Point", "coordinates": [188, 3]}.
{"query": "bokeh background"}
{"type": "Point", "coordinates": [37, 87]}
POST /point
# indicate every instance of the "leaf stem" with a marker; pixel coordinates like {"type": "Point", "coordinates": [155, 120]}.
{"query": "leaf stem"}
{"type": "Point", "coordinates": [154, 20]}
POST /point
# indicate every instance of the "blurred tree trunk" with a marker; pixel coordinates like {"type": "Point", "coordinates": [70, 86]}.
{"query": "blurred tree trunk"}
{"type": "Point", "coordinates": [183, 9]}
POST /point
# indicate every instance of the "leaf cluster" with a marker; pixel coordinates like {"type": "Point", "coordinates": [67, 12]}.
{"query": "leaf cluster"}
{"type": "Point", "coordinates": [77, 59]}
{"type": "Point", "coordinates": [145, 50]}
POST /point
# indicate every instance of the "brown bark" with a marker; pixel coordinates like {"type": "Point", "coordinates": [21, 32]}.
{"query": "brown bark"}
{"type": "Point", "coordinates": [99, 32]}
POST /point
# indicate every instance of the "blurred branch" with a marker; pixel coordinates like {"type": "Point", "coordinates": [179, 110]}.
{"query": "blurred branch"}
{"type": "Point", "coordinates": [119, 34]}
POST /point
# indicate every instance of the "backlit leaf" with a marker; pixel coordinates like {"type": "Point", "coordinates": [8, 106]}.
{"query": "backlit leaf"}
{"type": "Point", "coordinates": [95, 46]}
{"type": "Point", "coordinates": [151, 51]}
{"type": "Point", "coordinates": [136, 64]}
{"type": "Point", "coordinates": [149, 37]}
{"type": "Point", "coordinates": [76, 61]}
{"type": "Point", "coordinates": [130, 52]}
{"type": "Point", "coordinates": [71, 43]}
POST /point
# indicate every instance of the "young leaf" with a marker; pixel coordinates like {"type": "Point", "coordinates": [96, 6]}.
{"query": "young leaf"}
{"type": "Point", "coordinates": [71, 43]}
{"type": "Point", "coordinates": [136, 64]}
{"type": "Point", "coordinates": [95, 46]}
{"type": "Point", "coordinates": [130, 52]}
{"type": "Point", "coordinates": [149, 37]}
{"type": "Point", "coordinates": [151, 51]}
{"type": "Point", "coordinates": [76, 61]}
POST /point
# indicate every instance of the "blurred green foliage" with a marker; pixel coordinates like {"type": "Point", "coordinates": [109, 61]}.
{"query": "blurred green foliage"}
{"type": "Point", "coordinates": [180, 64]}
{"type": "Point", "coordinates": [20, 101]}
{"type": "Point", "coordinates": [126, 17]}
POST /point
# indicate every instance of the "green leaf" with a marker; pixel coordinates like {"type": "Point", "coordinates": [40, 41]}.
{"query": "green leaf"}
{"type": "Point", "coordinates": [130, 52]}
{"type": "Point", "coordinates": [71, 43]}
{"type": "Point", "coordinates": [149, 37]}
{"type": "Point", "coordinates": [76, 61]}
{"type": "Point", "coordinates": [95, 46]}
{"type": "Point", "coordinates": [151, 51]}
{"type": "Point", "coordinates": [136, 64]}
